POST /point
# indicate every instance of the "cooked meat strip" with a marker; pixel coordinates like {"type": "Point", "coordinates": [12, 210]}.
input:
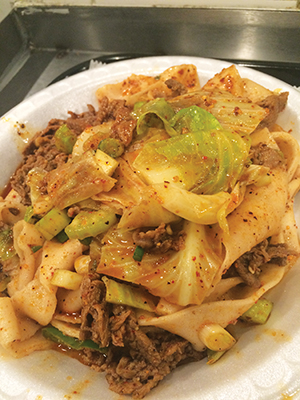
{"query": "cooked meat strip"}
{"type": "Point", "coordinates": [275, 104]}
{"type": "Point", "coordinates": [248, 265]}
{"type": "Point", "coordinates": [78, 122]}
{"type": "Point", "coordinates": [124, 125]}
{"type": "Point", "coordinates": [117, 324]}
{"type": "Point", "coordinates": [137, 358]}
{"type": "Point", "coordinates": [151, 357]}
{"type": "Point", "coordinates": [95, 311]}
{"type": "Point", "coordinates": [159, 240]}
{"type": "Point", "coordinates": [177, 87]}
{"type": "Point", "coordinates": [265, 155]}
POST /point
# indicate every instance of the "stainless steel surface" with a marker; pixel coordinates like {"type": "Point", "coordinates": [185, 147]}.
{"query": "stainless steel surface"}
{"type": "Point", "coordinates": [39, 43]}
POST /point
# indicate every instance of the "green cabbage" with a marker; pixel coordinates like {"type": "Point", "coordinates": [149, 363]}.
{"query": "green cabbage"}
{"type": "Point", "coordinates": [181, 277]}
{"type": "Point", "coordinates": [201, 209]}
{"type": "Point", "coordinates": [234, 113]}
{"type": "Point", "coordinates": [78, 179]}
{"type": "Point", "coordinates": [154, 114]}
{"type": "Point", "coordinates": [203, 157]}
{"type": "Point", "coordinates": [90, 223]}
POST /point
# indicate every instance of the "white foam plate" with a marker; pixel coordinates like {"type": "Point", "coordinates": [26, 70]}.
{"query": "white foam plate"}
{"type": "Point", "coordinates": [265, 362]}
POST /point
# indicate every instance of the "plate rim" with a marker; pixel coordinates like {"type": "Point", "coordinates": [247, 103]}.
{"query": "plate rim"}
{"type": "Point", "coordinates": [85, 77]}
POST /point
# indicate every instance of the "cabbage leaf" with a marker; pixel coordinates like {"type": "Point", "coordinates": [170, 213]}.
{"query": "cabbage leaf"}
{"type": "Point", "coordinates": [147, 212]}
{"type": "Point", "coordinates": [40, 201]}
{"type": "Point", "coordinates": [201, 209]}
{"type": "Point", "coordinates": [203, 157]}
{"type": "Point", "coordinates": [77, 180]}
{"type": "Point", "coordinates": [183, 277]}
{"type": "Point", "coordinates": [154, 114]}
{"type": "Point", "coordinates": [237, 114]}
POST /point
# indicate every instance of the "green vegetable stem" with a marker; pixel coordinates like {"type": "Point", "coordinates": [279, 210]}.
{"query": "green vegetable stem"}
{"type": "Point", "coordinates": [91, 223]}
{"type": "Point", "coordinates": [122, 293]}
{"type": "Point", "coordinates": [53, 223]}
{"type": "Point", "coordinates": [113, 147]}
{"type": "Point", "coordinates": [216, 338]}
{"type": "Point", "coordinates": [214, 356]}
{"type": "Point", "coordinates": [4, 280]}
{"type": "Point", "coordinates": [259, 312]}
{"type": "Point", "coordinates": [65, 139]}
{"type": "Point", "coordinates": [55, 335]}
{"type": "Point", "coordinates": [6, 244]}
{"type": "Point", "coordinates": [138, 253]}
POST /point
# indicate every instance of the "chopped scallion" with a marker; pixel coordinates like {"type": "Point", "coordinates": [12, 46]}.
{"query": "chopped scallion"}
{"type": "Point", "coordinates": [36, 248]}
{"type": "Point", "coordinates": [214, 356]}
{"type": "Point", "coordinates": [259, 312]}
{"type": "Point", "coordinates": [62, 237]}
{"type": "Point", "coordinates": [113, 147]}
{"type": "Point", "coordinates": [29, 214]}
{"type": "Point", "coordinates": [138, 253]}
{"type": "Point", "coordinates": [65, 139]}
{"type": "Point", "coordinates": [53, 223]}
{"type": "Point", "coordinates": [54, 334]}
{"type": "Point", "coordinates": [7, 249]}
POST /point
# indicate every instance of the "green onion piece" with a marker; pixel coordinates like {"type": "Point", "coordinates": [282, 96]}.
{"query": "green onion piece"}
{"type": "Point", "coordinates": [122, 293]}
{"type": "Point", "coordinates": [54, 334]}
{"type": "Point", "coordinates": [91, 223]}
{"type": "Point", "coordinates": [53, 223]}
{"type": "Point", "coordinates": [95, 252]}
{"type": "Point", "coordinates": [28, 214]}
{"type": "Point", "coordinates": [258, 313]}
{"type": "Point", "coordinates": [36, 248]}
{"type": "Point", "coordinates": [62, 237]}
{"type": "Point", "coordinates": [216, 338]}
{"type": "Point", "coordinates": [87, 241]}
{"type": "Point", "coordinates": [138, 253]}
{"type": "Point", "coordinates": [214, 356]}
{"type": "Point", "coordinates": [138, 105]}
{"type": "Point", "coordinates": [113, 147]}
{"type": "Point", "coordinates": [4, 280]}
{"type": "Point", "coordinates": [7, 249]}
{"type": "Point", "coordinates": [65, 139]}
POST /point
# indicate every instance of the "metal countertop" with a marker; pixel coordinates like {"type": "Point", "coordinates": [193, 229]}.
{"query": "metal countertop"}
{"type": "Point", "coordinates": [37, 44]}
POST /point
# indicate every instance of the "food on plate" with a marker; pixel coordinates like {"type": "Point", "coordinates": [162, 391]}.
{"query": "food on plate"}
{"type": "Point", "coordinates": [137, 234]}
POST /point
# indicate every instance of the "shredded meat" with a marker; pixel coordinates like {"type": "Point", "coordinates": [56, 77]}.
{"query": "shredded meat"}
{"type": "Point", "coordinates": [95, 311]}
{"type": "Point", "coordinates": [138, 358]}
{"type": "Point", "coordinates": [41, 153]}
{"type": "Point", "coordinates": [73, 211]}
{"type": "Point", "coordinates": [275, 104]}
{"type": "Point", "coordinates": [159, 240]}
{"type": "Point", "coordinates": [106, 111]}
{"type": "Point", "coordinates": [176, 87]}
{"type": "Point", "coordinates": [248, 265]}
{"type": "Point", "coordinates": [124, 126]}
{"type": "Point", "coordinates": [265, 155]}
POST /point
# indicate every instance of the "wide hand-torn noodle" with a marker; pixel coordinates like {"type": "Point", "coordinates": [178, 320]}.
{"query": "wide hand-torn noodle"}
{"type": "Point", "coordinates": [185, 189]}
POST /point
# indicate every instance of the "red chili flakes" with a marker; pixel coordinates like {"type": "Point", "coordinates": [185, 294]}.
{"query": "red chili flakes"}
{"type": "Point", "coordinates": [237, 111]}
